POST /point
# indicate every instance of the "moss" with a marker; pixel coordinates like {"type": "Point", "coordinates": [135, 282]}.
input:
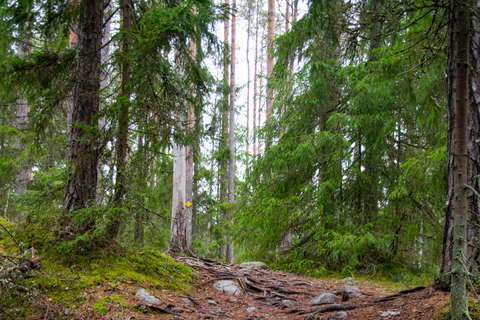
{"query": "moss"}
{"type": "Point", "coordinates": [473, 310]}
{"type": "Point", "coordinates": [101, 306]}
{"type": "Point", "coordinates": [65, 279]}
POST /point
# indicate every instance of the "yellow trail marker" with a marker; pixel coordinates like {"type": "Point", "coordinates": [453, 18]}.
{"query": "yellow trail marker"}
{"type": "Point", "coordinates": [188, 204]}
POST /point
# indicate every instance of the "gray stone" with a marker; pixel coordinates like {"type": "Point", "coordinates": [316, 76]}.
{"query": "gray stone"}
{"type": "Point", "coordinates": [228, 287]}
{"type": "Point", "coordinates": [354, 291]}
{"type": "Point", "coordinates": [187, 302]}
{"type": "Point", "coordinates": [338, 315]}
{"type": "Point", "coordinates": [323, 298]}
{"type": "Point", "coordinates": [389, 313]}
{"type": "Point", "coordinates": [177, 310]}
{"type": "Point", "coordinates": [212, 303]}
{"type": "Point", "coordinates": [147, 297]}
{"type": "Point", "coordinates": [287, 303]}
{"type": "Point", "coordinates": [215, 310]}
{"type": "Point", "coordinates": [67, 311]}
{"type": "Point", "coordinates": [254, 265]}
{"type": "Point", "coordinates": [349, 281]}
{"type": "Point", "coordinates": [251, 309]}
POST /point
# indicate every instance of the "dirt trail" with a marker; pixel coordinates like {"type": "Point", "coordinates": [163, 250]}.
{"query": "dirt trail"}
{"type": "Point", "coordinates": [266, 294]}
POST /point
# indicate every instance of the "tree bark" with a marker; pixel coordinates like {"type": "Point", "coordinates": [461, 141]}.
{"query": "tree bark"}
{"type": "Point", "coordinates": [231, 163]}
{"type": "Point", "coordinates": [460, 30]}
{"type": "Point", "coordinates": [255, 89]}
{"type": "Point", "coordinates": [83, 136]}
{"type": "Point", "coordinates": [270, 38]}
{"type": "Point", "coordinates": [178, 239]}
{"type": "Point", "coordinates": [189, 150]}
{"type": "Point", "coordinates": [21, 114]}
{"type": "Point", "coordinates": [121, 149]}
{"type": "Point", "coordinates": [224, 144]}
{"type": "Point", "coordinates": [473, 166]}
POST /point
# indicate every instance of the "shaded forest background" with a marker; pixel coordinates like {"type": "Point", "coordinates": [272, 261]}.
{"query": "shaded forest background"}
{"type": "Point", "coordinates": [344, 167]}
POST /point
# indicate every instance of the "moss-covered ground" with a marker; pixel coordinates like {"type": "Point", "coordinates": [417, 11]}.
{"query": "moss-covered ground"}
{"type": "Point", "coordinates": [84, 284]}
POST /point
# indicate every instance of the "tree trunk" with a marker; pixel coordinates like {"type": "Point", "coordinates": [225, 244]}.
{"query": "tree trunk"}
{"type": "Point", "coordinates": [21, 114]}
{"type": "Point", "coordinates": [224, 144]}
{"type": "Point", "coordinates": [121, 149]}
{"type": "Point", "coordinates": [249, 18]}
{"type": "Point", "coordinates": [270, 38]}
{"type": "Point", "coordinates": [473, 167]}
{"type": "Point", "coordinates": [458, 88]}
{"type": "Point", "coordinates": [231, 163]}
{"type": "Point", "coordinates": [255, 89]}
{"type": "Point", "coordinates": [189, 150]}
{"type": "Point", "coordinates": [178, 239]}
{"type": "Point", "coordinates": [83, 138]}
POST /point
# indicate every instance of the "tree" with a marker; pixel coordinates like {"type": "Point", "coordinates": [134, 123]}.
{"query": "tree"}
{"type": "Point", "coordinates": [473, 150]}
{"type": "Point", "coordinates": [231, 135]}
{"type": "Point", "coordinates": [458, 105]}
{"type": "Point", "coordinates": [82, 160]}
{"type": "Point", "coordinates": [121, 146]}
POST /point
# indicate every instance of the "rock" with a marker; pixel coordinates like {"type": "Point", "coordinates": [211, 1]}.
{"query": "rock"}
{"type": "Point", "coordinates": [389, 313]}
{"type": "Point", "coordinates": [354, 291]}
{"type": "Point", "coordinates": [212, 303]}
{"type": "Point", "coordinates": [323, 298]}
{"type": "Point", "coordinates": [254, 265]}
{"type": "Point", "coordinates": [187, 303]}
{"type": "Point", "coordinates": [338, 315]}
{"type": "Point", "coordinates": [287, 303]}
{"type": "Point", "coordinates": [177, 310]}
{"type": "Point", "coordinates": [228, 287]}
{"type": "Point", "coordinates": [233, 300]}
{"type": "Point", "coordinates": [251, 309]}
{"type": "Point", "coordinates": [215, 311]}
{"type": "Point", "coordinates": [309, 317]}
{"type": "Point", "coordinates": [147, 297]}
{"type": "Point", "coordinates": [349, 281]}
{"type": "Point", "coordinates": [67, 311]}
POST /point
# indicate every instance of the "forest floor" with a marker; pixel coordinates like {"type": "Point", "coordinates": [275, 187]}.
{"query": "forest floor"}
{"type": "Point", "coordinates": [267, 294]}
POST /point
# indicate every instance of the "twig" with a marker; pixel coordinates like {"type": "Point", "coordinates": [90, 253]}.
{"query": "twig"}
{"type": "Point", "coordinates": [121, 306]}
{"type": "Point", "coordinates": [15, 240]}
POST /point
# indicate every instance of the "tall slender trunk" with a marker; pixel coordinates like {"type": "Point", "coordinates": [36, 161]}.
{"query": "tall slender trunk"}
{"type": "Point", "coordinates": [270, 38]}
{"type": "Point", "coordinates": [178, 239]}
{"type": "Point", "coordinates": [458, 151]}
{"type": "Point", "coordinates": [21, 115]}
{"type": "Point", "coordinates": [231, 163]}
{"type": "Point", "coordinates": [249, 17]}
{"type": "Point", "coordinates": [138, 234]}
{"type": "Point", "coordinates": [255, 88]}
{"type": "Point", "coordinates": [82, 141]}
{"type": "Point", "coordinates": [121, 147]}
{"type": "Point", "coordinates": [224, 144]}
{"type": "Point", "coordinates": [259, 144]}
{"type": "Point", "coordinates": [189, 150]}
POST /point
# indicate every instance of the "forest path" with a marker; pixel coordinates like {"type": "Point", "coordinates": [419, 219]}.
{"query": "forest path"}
{"type": "Point", "coordinates": [267, 294]}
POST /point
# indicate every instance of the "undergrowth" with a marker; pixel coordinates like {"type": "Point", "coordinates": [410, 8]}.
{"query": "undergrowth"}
{"type": "Point", "coordinates": [64, 278]}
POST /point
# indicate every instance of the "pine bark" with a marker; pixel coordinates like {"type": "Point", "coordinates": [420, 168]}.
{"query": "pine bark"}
{"type": "Point", "coordinates": [82, 138]}
{"type": "Point", "coordinates": [270, 38]}
{"type": "Point", "coordinates": [231, 163]}
{"type": "Point", "coordinates": [224, 143]}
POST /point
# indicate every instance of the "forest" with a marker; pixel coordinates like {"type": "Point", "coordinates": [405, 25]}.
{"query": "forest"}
{"type": "Point", "coordinates": [321, 136]}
